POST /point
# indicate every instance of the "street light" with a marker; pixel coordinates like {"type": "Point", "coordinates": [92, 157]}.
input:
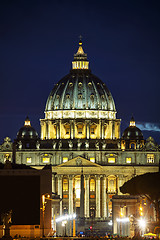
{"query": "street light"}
{"type": "Point", "coordinates": [142, 225]}
{"type": "Point", "coordinates": [64, 225]}
{"type": "Point", "coordinates": [44, 197]}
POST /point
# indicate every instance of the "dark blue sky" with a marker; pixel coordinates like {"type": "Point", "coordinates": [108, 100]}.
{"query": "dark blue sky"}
{"type": "Point", "coordinates": [37, 43]}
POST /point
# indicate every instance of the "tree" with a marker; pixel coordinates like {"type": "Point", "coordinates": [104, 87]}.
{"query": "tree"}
{"type": "Point", "coordinates": [147, 185]}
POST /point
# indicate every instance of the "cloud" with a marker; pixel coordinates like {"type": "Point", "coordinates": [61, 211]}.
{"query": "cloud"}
{"type": "Point", "coordinates": [153, 127]}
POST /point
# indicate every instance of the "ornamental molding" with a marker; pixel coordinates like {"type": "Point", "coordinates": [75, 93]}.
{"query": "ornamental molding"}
{"type": "Point", "coordinates": [73, 114]}
{"type": "Point", "coordinates": [78, 161]}
{"type": "Point", "coordinates": [111, 155]}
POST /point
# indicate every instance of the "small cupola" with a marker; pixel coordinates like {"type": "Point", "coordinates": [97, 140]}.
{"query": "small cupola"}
{"type": "Point", "coordinates": [132, 137]}
{"type": "Point", "coordinates": [132, 122]}
{"type": "Point", "coordinates": [27, 132]}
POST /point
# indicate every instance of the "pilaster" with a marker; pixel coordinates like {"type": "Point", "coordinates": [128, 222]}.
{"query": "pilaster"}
{"type": "Point", "coordinates": [70, 194]}
{"type": "Point", "coordinates": [60, 191]}
{"type": "Point", "coordinates": [86, 205]}
{"type": "Point", "coordinates": [98, 196]}
{"type": "Point", "coordinates": [104, 209]}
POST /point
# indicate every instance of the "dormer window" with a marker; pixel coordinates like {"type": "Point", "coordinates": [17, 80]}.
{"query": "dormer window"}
{"type": "Point", "coordinates": [92, 96]}
{"type": "Point", "coordinates": [57, 96]}
{"type": "Point", "coordinates": [68, 96]}
{"type": "Point", "coordinates": [79, 96]}
{"type": "Point", "coordinates": [80, 84]}
{"type": "Point", "coordinates": [89, 84]}
{"type": "Point", "coordinates": [71, 84]}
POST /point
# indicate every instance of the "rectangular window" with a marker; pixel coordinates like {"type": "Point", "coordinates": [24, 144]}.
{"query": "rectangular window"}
{"type": "Point", "coordinates": [29, 160]}
{"type": "Point", "coordinates": [92, 196]}
{"type": "Point", "coordinates": [65, 195]}
{"type": "Point", "coordinates": [128, 160]}
{"type": "Point", "coordinates": [150, 158]}
{"type": "Point", "coordinates": [65, 159]}
{"type": "Point", "coordinates": [92, 159]}
{"type": "Point", "coordinates": [111, 160]}
{"type": "Point", "coordinates": [46, 159]}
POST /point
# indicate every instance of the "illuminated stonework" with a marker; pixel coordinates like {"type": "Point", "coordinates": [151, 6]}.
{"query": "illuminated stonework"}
{"type": "Point", "coordinates": [80, 100]}
{"type": "Point", "coordinates": [80, 133]}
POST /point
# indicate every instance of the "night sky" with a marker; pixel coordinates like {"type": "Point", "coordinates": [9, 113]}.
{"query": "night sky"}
{"type": "Point", "coordinates": [37, 43]}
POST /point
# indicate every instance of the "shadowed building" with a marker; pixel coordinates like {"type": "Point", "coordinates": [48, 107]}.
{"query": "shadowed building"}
{"type": "Point", "coordinates": [22, 188]}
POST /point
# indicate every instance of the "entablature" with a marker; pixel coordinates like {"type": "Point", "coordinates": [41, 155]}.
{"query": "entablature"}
{"type": "Point", "coordinates": [74, 114]}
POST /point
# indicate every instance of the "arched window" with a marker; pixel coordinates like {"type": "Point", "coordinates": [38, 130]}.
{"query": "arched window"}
{"type": "Point", "coordinates": [65, 210]}
{"type": "Point", "coordinates": [112, 184]}
{"type": "Point", "coordinates": [77, 187]}
{"type": "Point", "coordinates": [132, 146]}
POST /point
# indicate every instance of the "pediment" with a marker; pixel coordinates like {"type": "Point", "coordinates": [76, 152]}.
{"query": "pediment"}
{"type": "Point", "coordinates": [79, 162]}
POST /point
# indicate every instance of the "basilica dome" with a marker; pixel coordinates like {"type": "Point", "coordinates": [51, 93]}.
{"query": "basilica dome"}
{"type": "Point", "coordinates": [80, 89]}
{"type": "Point", "coordinates": [132, 132]}
{"type": "Point", "coordinates": [27, 132]}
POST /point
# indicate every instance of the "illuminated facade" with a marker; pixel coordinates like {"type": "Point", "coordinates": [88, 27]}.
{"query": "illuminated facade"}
{"type": "Point", "coordinates": [80, 131]}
